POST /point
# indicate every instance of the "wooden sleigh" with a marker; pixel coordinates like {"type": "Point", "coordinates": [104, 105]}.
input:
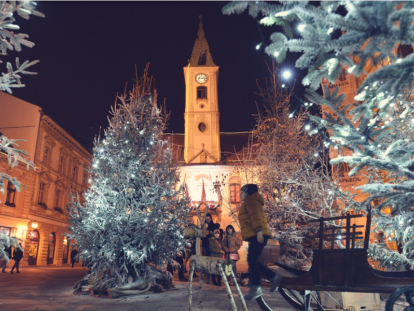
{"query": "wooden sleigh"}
{"type": "Point", "coordinates": [343, 270]}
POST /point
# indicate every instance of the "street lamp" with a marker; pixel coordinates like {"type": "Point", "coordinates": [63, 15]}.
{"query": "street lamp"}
{"type": "Point", "coordinates": [286, 74]}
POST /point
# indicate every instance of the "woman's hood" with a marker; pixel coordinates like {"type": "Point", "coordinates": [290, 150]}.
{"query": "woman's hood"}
{"type": "Point", "coordinates": [255, 197]}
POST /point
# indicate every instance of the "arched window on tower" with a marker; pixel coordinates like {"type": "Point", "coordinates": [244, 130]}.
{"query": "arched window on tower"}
{"type": "Point", "coordinates": [201, 92]}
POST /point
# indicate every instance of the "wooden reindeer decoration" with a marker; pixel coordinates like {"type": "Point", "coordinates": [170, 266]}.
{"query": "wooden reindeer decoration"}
{"type": "Point", "coordinates": [209, 265]}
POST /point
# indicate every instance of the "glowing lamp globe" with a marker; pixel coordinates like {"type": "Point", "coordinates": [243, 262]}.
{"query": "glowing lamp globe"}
{"type": "Point", "coordinates": [35, 225]}
{"type": "Point", "coordinates": [301, 27]}
{"type": "Point", "coordinates": [286, 74]}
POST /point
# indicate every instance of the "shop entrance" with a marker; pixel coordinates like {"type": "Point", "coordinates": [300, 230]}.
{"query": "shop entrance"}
{"type": "Point", "coordinates": [34, 247]}
{"type": "Point", "coordinates": [51, 249]}
{"type": "Point", "coordinates": [66, 245]}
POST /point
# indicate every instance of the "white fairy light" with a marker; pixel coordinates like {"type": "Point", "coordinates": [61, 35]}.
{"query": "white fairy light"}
{"type": "Point", "coordinates": [301, 27]}
{"type": "Point", "coordinates": [330, 30]}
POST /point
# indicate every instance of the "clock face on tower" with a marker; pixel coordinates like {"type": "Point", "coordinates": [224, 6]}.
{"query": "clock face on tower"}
{"type": "Point", "coordinates": [201, 78]}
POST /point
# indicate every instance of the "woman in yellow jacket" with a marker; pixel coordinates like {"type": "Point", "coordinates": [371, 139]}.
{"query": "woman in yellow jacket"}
{"type": "Point", "coordinates": [255, 230]}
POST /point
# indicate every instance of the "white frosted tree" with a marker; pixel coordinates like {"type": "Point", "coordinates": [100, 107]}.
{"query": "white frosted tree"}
{"type": "Point", "coordinates": [375, 131]}
{"type": "Point", "coordinates": [132, 220]}
{"type": "Point", "coordinates": [292, 171]}
{"type": "Point", "coordinates": [9, 40]}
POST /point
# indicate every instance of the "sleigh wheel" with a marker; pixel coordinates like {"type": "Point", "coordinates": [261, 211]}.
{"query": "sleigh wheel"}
{"type": "Point", "coordinates": [401, 299]}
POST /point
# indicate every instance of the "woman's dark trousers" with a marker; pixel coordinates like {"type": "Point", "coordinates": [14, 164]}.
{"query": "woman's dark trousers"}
{"type": "Point", "coordinates": [256, 268]}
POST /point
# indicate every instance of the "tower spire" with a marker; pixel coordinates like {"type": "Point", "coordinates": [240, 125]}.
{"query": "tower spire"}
{"type": "Point", "coordinates": [201, 55]}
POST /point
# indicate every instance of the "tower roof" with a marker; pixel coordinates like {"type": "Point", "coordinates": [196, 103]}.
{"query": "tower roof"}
{"type": "Point", "coordinates": [201, 55]}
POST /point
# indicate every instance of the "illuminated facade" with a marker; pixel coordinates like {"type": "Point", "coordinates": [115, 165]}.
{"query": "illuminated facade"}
{"type": "Point", "coordinates": [207, 156]}
{"type": "Point", "coordinates": [60, 167]}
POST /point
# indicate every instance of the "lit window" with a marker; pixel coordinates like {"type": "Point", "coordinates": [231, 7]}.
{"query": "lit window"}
{"type": "Point", "coordinates": [11, 194]}
{"type": "Point", "coordinates": [235, 193]}
{"type": "Point", "coordinates": [201, 92]}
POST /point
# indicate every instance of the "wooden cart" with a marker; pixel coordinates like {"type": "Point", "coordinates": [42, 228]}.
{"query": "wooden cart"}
{"type": "Point", "coordinates": [342, 270]}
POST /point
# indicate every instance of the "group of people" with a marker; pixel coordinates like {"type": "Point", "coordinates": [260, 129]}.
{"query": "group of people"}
{"type": "Point", "coordinates": [254, 230]}
{"type": "Point", "coordinates": [220, 244]}
{"type": "Point", "coordinates": [17, 257]}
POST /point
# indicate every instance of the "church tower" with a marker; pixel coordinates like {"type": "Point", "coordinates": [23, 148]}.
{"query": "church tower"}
{"type": "Point", "coordinates": [202, 130]}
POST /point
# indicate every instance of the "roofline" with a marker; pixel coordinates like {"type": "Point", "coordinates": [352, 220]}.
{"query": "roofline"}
{"type": "Point", "coordinates": [65, 135]}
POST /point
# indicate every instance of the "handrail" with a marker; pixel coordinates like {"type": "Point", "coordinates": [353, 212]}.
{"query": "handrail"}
{"type": "Point", "coordinates": [336, 218]}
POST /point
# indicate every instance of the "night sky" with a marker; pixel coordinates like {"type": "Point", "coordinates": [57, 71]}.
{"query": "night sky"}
{"type": "Point", "coordinates": [88, 52]}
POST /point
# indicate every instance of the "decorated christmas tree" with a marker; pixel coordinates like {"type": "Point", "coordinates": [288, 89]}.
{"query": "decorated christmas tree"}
{"type": "Point", "coordinates": [133, 218]}
{"type": "Point", "coordinates": [373, 133]}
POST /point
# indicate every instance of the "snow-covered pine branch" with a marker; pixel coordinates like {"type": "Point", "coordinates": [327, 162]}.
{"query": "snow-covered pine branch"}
{"type": "Point", "coordinates": [10, 40]}
{"type": "Point", "coordinates": [365, 40]}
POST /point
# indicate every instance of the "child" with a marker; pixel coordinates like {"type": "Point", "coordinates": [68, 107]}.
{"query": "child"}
{"type": "Point", "coordinates": [216, 250]}
{"type": "Point", "coordinates": [231, 245]}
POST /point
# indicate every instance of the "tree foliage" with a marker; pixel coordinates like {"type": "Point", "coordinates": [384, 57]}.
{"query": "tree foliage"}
{"type": "Point", "coordinates": [132, 219]}
{"type": "Point", "coordinates": [9, 41]}
{"type": "Point", "coordinates": [293, 172]}
{"type": "Point", "coordinates": [374, 132]}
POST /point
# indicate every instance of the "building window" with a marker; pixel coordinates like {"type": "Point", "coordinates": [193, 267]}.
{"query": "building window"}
{"type": "Point", "coordinates": [5, 230]}
{"type": "Point", "coordinates": [202, 127]}
{"type": "Point", "coordinates": [85, 180]}
{"type": "Point", "coordinates": [235, 193]}
{"type": "Point", "coordinates": [341, 169]}
{"type": "Point", "coordinates": [61, 165]}
{"type": "Point", "coordinates": [201, 92]}
{"type": "Point", "coordinates": [46, 156]}
{"type": "Point", "coordinates": [11, 194]}
{"type": "Point", "coordinates": [75, 173]}
{"type": "Point", "coordinates": [405, 50]}
{"type": "Point", "coordinates": [42, 194]}
{"type": "Point", "coordinates": [58, 196]}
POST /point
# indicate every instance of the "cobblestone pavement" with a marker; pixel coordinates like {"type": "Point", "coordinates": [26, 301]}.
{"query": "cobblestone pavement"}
{"type": "Point", "coordinates": [50, 289]}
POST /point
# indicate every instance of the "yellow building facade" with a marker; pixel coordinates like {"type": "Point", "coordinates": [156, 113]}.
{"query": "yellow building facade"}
{"type": "Point", "coordinates": [37, 215]}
